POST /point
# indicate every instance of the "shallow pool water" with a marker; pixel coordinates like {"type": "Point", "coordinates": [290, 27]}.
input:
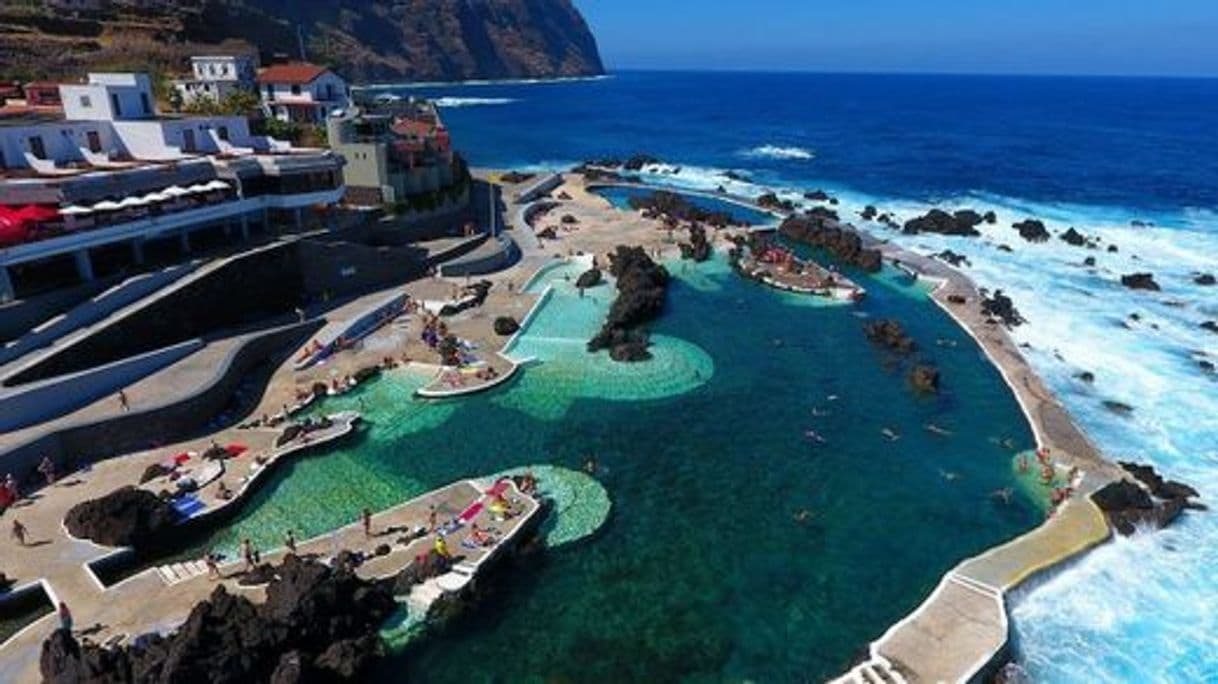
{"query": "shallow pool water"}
{"type": "Point", "coordinates": [707, 569]}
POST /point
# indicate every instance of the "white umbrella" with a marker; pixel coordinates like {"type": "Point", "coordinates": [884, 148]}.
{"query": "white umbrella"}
{"type": "Point", "coordinates": [176, 191]}
{"type": "Point", "coordinates": [107, 205]}
{"type": "Point", "coordinates": [75, 210]}
{"type": "Point", "coordinates": [217, 185]}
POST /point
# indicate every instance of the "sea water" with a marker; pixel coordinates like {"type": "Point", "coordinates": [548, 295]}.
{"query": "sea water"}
{"type": "Point", "coordinates": [738, 547]}
{"type": "Point", "coordinates": [1093, 153]}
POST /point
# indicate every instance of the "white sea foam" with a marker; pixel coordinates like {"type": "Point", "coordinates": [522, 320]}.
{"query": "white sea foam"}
{"type": "Point", "coordinates": [1139, 609]}
{"type": "Point", "coordinates": [454, 102]}
{"type": "Point", "coordinates": [779, 152]}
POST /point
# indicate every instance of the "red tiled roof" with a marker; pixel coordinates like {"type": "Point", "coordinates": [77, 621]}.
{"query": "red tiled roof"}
{"type": "Point", "coordinates": [297, 73]}
{"type": "Point", "coordinates": [413, 127]}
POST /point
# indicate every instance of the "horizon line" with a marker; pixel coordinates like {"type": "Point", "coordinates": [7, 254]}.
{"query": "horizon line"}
{"type": "Point", "coordinates": [864, 72]}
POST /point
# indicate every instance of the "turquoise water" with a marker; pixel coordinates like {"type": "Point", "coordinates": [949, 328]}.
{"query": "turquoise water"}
{"type": "Point", "coordinates": [702, 572]}
{"type": "Point", "coordinates": [620, 198]}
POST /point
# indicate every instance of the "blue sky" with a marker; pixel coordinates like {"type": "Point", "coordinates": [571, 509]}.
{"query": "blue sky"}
{"type": "Point", "coordinates": [1142, 37]}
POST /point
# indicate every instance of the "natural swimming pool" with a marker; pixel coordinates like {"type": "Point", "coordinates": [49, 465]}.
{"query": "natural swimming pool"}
{"type": "Point", "coordinates": [620, 197]}
{"type": "Point", "coordinates": [704, 570]}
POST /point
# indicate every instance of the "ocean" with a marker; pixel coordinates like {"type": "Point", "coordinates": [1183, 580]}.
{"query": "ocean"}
{"type": "Point", "coordinates": [1131, 162]}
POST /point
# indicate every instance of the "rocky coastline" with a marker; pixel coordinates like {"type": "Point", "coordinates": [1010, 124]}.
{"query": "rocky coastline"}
{"type": "Point", "coordinates": [841, 242]}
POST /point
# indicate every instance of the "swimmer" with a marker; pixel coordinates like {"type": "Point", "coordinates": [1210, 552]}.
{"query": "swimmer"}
{"type": "Point", "coordinates": [931, 427]}
{"type": "Point", "coordinates": [1003, 495]}
{"type": "Point", "coordinates": [590, 466]}
{"type": "Point", "coordinates": [831, 397]}
{"type": "Point", "coordinates": [819, 412]}
{"type": "Point", "coordinates": [814, 436]}
{"type": "Point", "coordinates": [802, 516]}
{"type": "Point", "coordinates": [949, 476]}
{"type": "Point", "coordinates": [945, 343]}
{"type": "Point", "coordinates": [890, 434]}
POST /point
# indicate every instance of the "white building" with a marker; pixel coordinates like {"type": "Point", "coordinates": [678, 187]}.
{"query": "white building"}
{"type": "Point", "coordinates": [215, 77]}
{"type": "Point", "coordinates": [112, 170]}
{"type": "Point", "coordinates": [301, 92]}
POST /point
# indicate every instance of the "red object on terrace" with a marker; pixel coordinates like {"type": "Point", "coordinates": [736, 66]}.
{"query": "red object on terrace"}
{"type": "Point", "coordinates": [16, 222]}
{"type": "Point", "coordinates": [235, 450]}
{"type": "Point", "coordinates": [498, 489]}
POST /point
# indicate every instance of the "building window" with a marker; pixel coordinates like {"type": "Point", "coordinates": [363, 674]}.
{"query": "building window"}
{"type": "Point", "coordinates": [37, 148]}
{"type": "Point", "coordinates": [116, 105]}
{"type": "Point", "coordinates": [222, 133]}
{"type": "Point", "coordinates": [224, 70]}
{"type": "Point", "coordinates": [295, 89]}
{"type": "Point", "coordinates": [94, 141]}
{"type": "Point", "coordinates": [188, 140]}
{"type": "Point", "coordinates": [86, 102]}
{"type": "Point", "coordinates": [145, 104]}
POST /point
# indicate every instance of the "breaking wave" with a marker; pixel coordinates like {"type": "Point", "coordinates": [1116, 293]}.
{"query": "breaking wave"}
{"type": "Point", "coordinates": [779, 152]}
{"type": "Point", "coordinates": [454, 102]}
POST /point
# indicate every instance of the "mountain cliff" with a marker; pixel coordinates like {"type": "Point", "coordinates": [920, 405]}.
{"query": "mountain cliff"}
{"type": "Point", "coordinates": [365, 40]}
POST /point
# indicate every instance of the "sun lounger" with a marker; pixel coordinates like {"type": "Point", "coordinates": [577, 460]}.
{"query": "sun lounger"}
{"type": "Point", "coordinates": [470, 513]}
{"type": "Point", "coordinates": [188, 506]}
{"type": "Point", "coordinates": [48, 168]}
{"type": "Point", "coordinates": [103, 160]}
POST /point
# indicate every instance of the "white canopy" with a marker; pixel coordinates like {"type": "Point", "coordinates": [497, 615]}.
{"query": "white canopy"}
{"type": "Point", "coordinates": [217, 185]}
{"type": "Point", "coordinates": [198, 188]}
{"type": "Point", "coordinates": [75, 210]}
{"type": "Point", "coordinates": [107, 205]}
{"type": "Point", "coordinates": [176, 191]}
{"type": "Point", "coordinates": [133, 201]}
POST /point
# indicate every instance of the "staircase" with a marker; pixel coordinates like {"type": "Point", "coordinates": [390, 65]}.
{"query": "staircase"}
{"type": "Point", "coordinates": [173, 573]}
{"type": "Point", "coordinates": [874, 670]}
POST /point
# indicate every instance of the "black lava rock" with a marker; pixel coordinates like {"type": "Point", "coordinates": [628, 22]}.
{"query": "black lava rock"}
{"type": "Point", "coordinates": [1211, 326]}
{"type": "Point", "coordinates": [1073, 237]}
{"type": "Point", "coordinates": [642, 288]}
{"type": "Point", "coordinates": [924, 378]}
{"type": "Point", "coordinates": [590, 278]}
{"type": "Point", "coordinates": [1204, 279]}
{"type": "Point", "coordinates": [1032, 230]}
{"type": "Point", "coordinates": [842, 243]}
{"type": "Point", "coordinates": [868, 213]}
{"type": "Point", "coordinates": [1140, 281]}
{"type": "Point", "coordinates": [1001, 307]}
{"type": "Point", "coordinates": [938, 221]}
{"type": "Point", "coordinates": [506, 325]}
{"type": "Point", "coordinates": [698, 248]}
{"type": "Point", "coordinates": [124, 517]}
{"type": "Point", "coordinates": [889, 333]}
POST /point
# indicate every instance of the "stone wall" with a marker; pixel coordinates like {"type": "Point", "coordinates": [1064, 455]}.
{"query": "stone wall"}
{"type": "Point", "coordinates": [336, 269]}
{"type": "Point", "coordinates": [252, 287]}
{"type": "Point", "coordinates": [170, 422]}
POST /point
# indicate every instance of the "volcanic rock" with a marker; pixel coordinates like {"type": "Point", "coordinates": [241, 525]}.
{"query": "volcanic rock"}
{"type": "Point", "coordinates": [642, 287]}
{"type": "Point", "coordinates": [869, 212]}
{"type": "Point", "coordinates": [842, 243]}
{"type": "Point", "coordinates": [698, 248]}
{"type": "Point", "coordinates": [1089, 261]}
{"type": "Point", "coordinates": [817, 195]}
{"type": "Point", "coordinates": [569, 219]}
{"type": "Point", "coordinates": [1113, 249]}
{"type": "Point", "coordinates": [953, 258]}
{"type": "Point", "coordinates": [938, 221]}
{"type": "Point", "coordinates": [1140, 281]}
{"type": "Point", "coordinates": [990, 218]}
{"type": "Point", "coordinates": [590, 278]}
{"type": "Point", "coordinates": [889, 333]}
{"type": "Point", "coordinates": [154, 471]}
{"type": "Point", "coordinates": [1211, 326]}
{"type": "Point", "coordinates": [317, 624]}
{"type": "Point", "coordinates": [124, 517]}
{"type": "Point", "coordinates": [1118, 407]}
{"type": "Point", "coordinates": [1073, 237]}
{"type": "Point", "coordinates": [1032, 230]}
{"type": "Point", "coordinates": [924, 378]}
{"type": "Point", "coordinates": [1001, 307]}
{"type": "Point", "coordinates": [506, 325]}
{"type": "Point", "coordinates": [770, 200]}
{"type": "Point", "coordinates": [1159, 487]}
{"type": "Point", "coordinates": [1204, 279]}
{"type": "Point", "coordinates": [1086, 376]}
{"type": "Point", "coordinates": [638, 161]}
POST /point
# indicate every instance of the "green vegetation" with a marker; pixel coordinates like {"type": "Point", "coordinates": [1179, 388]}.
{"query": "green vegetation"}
{"type": "Point", "coordinates": [236, 103]}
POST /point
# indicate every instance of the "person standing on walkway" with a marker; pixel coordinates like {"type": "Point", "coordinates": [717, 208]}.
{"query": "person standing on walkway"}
{"type": "Point", "coordinates": [367, 517]}
{"type": "Point", "coordinates": [123, 402]}
{"type": "Point", "coordinates": [19, 532]}
{"type": "Point", "coordinates": [247, 553]}
{"type": "Point", "coordinates": [213, 568]}
{"type": "Point", "coordinates": [47, 468]}
{"type": "Point", "coordinates": [290, 541]}
{"type": "Point", "coordinates": [65, 617]}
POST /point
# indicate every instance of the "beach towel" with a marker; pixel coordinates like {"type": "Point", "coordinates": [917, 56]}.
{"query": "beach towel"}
{"type": "Point", "coordinates": [235, 450]}
{"type": "Point", "coordinates": [188, 506]}
{"type": "Point", "coordinates": [471, 512]}
{"type": "Point", "coordinates": [499, 488]}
